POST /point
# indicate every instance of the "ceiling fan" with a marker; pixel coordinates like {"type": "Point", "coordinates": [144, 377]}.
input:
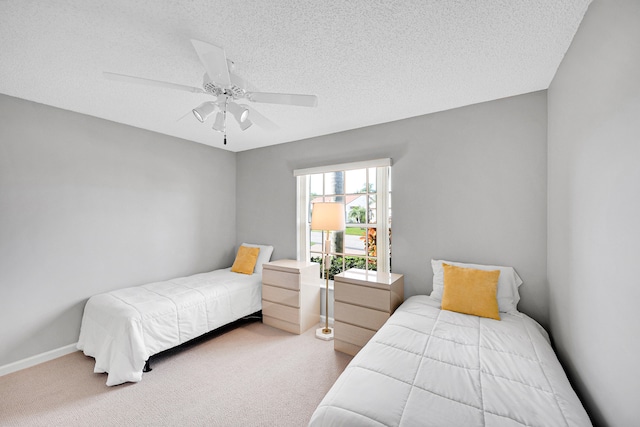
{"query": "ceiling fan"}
{"type": "Point", "coordinates": [228, 89]}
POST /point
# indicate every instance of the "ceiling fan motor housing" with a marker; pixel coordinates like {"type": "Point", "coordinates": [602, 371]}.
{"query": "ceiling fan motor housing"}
{"type": "Point", "coordinates": [232, 91]}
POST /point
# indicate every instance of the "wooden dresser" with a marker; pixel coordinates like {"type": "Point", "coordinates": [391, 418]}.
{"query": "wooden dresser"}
{"type": "Point", "coordinates": [363, 301]}
{"type": "Point", "coordinates": [291, 295]}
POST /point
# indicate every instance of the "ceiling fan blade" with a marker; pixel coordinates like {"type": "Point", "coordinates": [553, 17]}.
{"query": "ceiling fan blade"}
{"type": "Point", "coordinates": [149, 82]}
{"type": "Point", "coordinates": [283, 98]}
{"type": "Point", "coordinates": [214, 60]}
{"type": "Point", "coordinates": [188, 113]}
{"type": "Point", "coordinates": [242, 83]}
{"type": "Point", "coordinates": [259, 119]}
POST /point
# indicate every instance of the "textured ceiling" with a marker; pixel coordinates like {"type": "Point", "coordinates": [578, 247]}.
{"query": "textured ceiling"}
{"type": "Point", "coordinates": [368, 62]}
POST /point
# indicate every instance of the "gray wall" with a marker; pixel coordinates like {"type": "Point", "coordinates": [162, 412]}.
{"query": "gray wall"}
{"type": "Point", "coordinates": [594, 211]}
{"type": "Point", "coordinates": [468, 184]}
{"type": "Point", "coordinates": [87, 206]}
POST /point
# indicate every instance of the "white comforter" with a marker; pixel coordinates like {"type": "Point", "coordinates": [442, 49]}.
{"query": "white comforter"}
{"type": "Point", "coordinates": [432, 367]}
{"type": "Point", "coordinates": [123, 328]}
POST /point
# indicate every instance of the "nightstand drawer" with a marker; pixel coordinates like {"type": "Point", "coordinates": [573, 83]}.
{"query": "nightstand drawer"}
{"type": "Point", "coordinates": [281, 279]}
{"type": "Point", "coordinates": [282, 312]}
{"type": "Point", "coordinates": [294, 328]}
{"type": "Point", "coordinates": [359, 316]}
{"type": "Point", "coordinates": [281, 296]}
{"type": "Point", "coordinates": [363, 296]}
{"type": "Point", "coordinates": [352, 334]}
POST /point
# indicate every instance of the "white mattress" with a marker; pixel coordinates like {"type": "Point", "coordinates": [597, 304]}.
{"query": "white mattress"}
{"type": "Point", "coordinates": [123, 328]}
{"type": "Point", "coordinates": [432, 367]}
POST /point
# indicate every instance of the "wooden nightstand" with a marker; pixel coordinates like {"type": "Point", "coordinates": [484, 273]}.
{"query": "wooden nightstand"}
{"type": "Point", "coordinates": [291, 295]}
{"type": "Point", "coordinates": [364, 300]}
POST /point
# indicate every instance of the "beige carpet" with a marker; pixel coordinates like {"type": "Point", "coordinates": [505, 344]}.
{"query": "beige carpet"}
{"type": "Point", "coordinates": [251, 375]}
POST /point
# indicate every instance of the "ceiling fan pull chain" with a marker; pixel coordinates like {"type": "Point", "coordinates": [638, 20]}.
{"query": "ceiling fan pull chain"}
{"type": "Point", "coordinates": [225, 120]}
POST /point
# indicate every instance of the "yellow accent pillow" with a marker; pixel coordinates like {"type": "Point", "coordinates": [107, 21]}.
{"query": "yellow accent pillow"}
{"type": "Point", "coordinates": [245, 260]}
{"type": "Point", "coordinates": [471, 291]}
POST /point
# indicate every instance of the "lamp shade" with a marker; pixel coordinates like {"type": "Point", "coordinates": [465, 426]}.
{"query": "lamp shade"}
{"type": "Point", "coordinates": [327, 216]}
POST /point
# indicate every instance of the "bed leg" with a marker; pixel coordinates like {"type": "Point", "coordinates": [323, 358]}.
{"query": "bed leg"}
{"type": "Point", "coordinates": [147, 367]}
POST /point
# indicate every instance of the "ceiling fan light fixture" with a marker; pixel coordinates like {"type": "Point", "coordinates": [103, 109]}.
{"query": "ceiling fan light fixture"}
{"type": "Point", "coordinates": [239, 112]}
{"type": "Point", "coordinates": [218, 124]}
{"type": "Point", "coordinates": [245, 124]}
{"type": "Point", "coordinates": [204, 110]}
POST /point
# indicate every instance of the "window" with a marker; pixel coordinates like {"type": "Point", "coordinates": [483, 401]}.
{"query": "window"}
{"type": "Point", "coordinates": [365, 190]}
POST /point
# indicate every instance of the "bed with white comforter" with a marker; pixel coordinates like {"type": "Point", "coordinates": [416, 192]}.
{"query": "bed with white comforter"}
{"type": "Point", "coordinates": [121, 329]}
{"type": "Point", "coordinates": [432, 367]}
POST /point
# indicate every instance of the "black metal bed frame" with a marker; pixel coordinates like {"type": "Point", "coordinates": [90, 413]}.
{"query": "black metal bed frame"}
{"type": "Point", "coordinates": [204, 337]}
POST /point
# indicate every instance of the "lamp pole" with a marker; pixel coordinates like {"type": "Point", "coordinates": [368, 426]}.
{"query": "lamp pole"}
{"type": "Point", "coordinates": [327, 265]}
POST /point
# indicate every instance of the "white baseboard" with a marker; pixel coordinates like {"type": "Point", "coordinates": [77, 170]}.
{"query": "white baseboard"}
{"type": "Point", "coordinates": [59, 352]}
{"type": "Point", "coordinates": [37, 359]}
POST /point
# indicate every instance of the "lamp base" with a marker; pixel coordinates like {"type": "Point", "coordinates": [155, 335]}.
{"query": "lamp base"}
{"type": "Point", "coordinates": [324, 334]}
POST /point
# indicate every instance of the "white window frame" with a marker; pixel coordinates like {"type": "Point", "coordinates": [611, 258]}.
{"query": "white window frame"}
{"type": "Point", "coordinates": [383, 225]}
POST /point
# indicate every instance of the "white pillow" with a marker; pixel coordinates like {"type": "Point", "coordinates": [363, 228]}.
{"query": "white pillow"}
{"type": "Point", "coordinates": [263, 257]}
{"type": "Point", "coordinates": [508, 283]}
